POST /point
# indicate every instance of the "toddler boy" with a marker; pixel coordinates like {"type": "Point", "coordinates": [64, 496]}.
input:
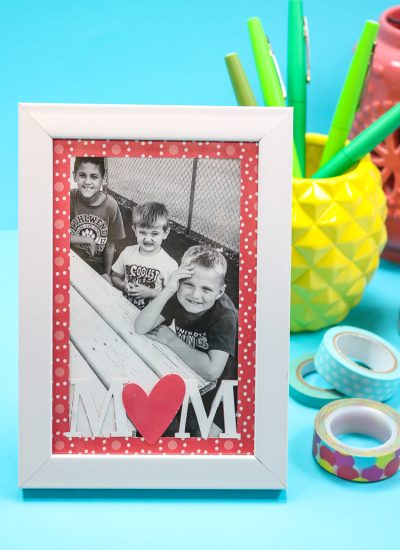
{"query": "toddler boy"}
{"type": "Point", "coordinates": [142, 270]}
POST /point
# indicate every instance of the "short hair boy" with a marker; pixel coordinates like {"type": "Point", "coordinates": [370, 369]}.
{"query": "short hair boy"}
{"type": "Point", "coordinates": [142, 270]}
{"type": "Point", "coordinates": [95, 218]}
{"type": "Point", "coordinates": [205, 318]}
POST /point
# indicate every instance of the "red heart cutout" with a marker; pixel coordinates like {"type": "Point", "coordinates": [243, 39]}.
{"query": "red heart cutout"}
{"type": "Point", "coordinates": [152, 414]}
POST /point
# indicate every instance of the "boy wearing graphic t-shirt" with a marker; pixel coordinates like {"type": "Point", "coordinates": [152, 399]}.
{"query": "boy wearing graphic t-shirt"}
{"type": "Point", "coordinates": [142, 270]}
{"type": "Point", "coordinates": [95, 218]}
{"type": "Point", "coordinates": [205, 318]}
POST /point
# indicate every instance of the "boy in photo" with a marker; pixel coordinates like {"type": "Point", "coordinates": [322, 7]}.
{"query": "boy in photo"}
{"type": "Point", "coordinates": [95, 218]}
{"type": "Point", "coordinates": [142, 270]}
{"type": "Point", "coordinates": [205, 318]}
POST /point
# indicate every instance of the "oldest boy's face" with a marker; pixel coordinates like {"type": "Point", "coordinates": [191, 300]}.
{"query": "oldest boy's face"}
{"type": "Point", "coordinates": [198, 293]}
{"type": "Point", "coordinates": [89, 179]}
{"type": "Point", "coordinates": [150, 239]}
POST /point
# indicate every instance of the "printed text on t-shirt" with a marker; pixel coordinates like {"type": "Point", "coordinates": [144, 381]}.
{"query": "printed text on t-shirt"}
{"type": "Point", "coordinates": [142, 275]}
{"type": "Point", "coordinates": [90, 225]}
{"type": "Point", "coordinates": [197, 340]}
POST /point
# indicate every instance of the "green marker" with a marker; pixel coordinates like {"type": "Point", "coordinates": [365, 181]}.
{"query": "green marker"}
{"type": "Point", "coordinates": [351, 92]}
{"type": "Point", "coordinates": [269, 75]}
{"type": "Point", "coordinates": [243, 92]}
{"type": "Point", "coordinates": [362, 144]}
{"type": "Point", "coordinates": [298, 74]}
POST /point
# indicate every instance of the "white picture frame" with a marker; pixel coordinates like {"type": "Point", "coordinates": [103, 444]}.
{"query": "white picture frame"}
{"type": "Point", "coordinates": [39, 125]}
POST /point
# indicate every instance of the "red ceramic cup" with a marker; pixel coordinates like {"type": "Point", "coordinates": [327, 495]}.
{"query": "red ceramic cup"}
{"type": "Point", "coordinates": [381, 92]}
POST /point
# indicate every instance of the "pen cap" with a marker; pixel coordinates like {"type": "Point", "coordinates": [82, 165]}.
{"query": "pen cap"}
{"type": "Point", "coordinates": [362, 144]}
{"type": "Point", "coordinates": [243, 92]}
{"type": "Point", "coordinates": [351, 92]}
{"type": "Point", "coordinates": [379, 130]}
{"type": "Point", "coordinates": [297, 74]}
{"type": "Point", "coordinates": [381, 92]}
{"type": "Point", "coordinates": [296, 61]}
{"type": "Point", "coordinates": [266, 65]}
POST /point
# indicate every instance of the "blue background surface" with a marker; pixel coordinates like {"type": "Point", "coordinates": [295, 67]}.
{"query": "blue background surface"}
{"type": "Point", "coordinates": [172, 53]}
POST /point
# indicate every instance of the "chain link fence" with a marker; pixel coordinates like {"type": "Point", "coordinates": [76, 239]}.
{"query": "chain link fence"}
{"type": "Point", "coordinates": [202, 195]}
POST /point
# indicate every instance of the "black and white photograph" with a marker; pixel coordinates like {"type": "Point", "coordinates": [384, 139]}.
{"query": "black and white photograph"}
{"type": "Point", "coordinates": [154, 279]}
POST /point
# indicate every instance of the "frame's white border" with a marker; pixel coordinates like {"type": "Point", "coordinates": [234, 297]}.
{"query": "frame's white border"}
{"type": "Point", "coordinates": [39, 124]}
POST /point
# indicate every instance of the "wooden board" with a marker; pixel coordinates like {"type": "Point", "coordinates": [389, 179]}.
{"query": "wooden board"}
{"type": "Point", "coordinates": [120, 315]}
{"type": "Point", "coordinates": [80, 369]}
{"type": "Point", "coordinates": [105, 352]}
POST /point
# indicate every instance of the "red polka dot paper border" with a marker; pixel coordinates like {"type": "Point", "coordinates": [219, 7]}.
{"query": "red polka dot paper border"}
{"type": "Point", "coordinates": [248, 155]}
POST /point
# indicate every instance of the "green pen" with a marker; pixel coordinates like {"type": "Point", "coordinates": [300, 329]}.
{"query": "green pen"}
{"type": "Point", "coordinates": [269, 75]}
{"type": "Point", "coordinates": [243, 92]}
{"type": "Point", "coordinates": [268, 72]}
{"type": "Point", "coordinates": [298, 74]}
{"type": "Point", "coordinates": [362, 144]}
{"type": "Point", "coordinates": [351, 92]}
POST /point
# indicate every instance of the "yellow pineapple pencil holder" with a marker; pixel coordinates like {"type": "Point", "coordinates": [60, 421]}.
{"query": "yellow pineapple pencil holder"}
{"type": "Point", "coordinates": [338, 233]}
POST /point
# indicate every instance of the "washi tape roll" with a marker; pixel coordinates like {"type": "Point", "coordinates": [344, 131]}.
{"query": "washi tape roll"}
{"type": "Point", "coordinates": [358, 363]}
{"type": "Point", "coordinates": [302, 391]}
{"type": "Point", "coordinates": [361, 416]}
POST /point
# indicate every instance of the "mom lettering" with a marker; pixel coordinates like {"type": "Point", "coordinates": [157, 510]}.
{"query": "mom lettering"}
{"type": "Point", "coordinates": [82, 397]}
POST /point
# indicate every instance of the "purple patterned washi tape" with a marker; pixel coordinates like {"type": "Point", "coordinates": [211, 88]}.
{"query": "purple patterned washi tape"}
{"type": "Point", "coordinates": [362, 416]}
